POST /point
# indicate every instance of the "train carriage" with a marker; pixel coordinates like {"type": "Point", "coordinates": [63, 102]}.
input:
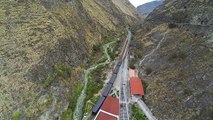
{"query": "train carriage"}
{"type": "Point", "coordinates": [107, 90]}
{"type": "Point", "coordinates": [112, 79]}
{"type": "Point", "coordinates": [119, 62]}
{"type": "Point", "coordinates": [116, 70]}
{"type": "Point", "coordinates": [98, 105]}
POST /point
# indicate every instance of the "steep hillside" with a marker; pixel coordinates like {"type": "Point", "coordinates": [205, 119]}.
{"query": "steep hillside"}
{"type": "Point", "coordinates": [184, 11]}
{"type": "Point", "coordinates": [44, 48]}
{"type": "Point", "coordinates": [147, 8]}
{"type": "Point", "coordinates": [174, 51]}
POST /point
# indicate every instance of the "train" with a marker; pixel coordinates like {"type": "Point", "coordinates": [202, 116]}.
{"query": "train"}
{"type": "Point", "coordinates": [109, 85]}
{"type": "Point", "coordinates": [107, 88]}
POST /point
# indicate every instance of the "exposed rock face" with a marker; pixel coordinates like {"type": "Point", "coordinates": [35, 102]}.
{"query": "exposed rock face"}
{"type": "Point", "coordinates": [43, 46]}
{"type": "Point", "coordinates": [184, 11]}
{"type": "Point", "coordinates": [147, 8]}
{"type": "Point", "coordinates": [178, 68]}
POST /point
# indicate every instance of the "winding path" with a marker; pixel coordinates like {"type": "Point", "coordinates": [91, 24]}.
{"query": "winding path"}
{"type": "Point", "coordinates": [144, 108]}
{"type": "Point", "coordinates": [154, 50]}
{"type": "Point", "coordinates": [78, 113]}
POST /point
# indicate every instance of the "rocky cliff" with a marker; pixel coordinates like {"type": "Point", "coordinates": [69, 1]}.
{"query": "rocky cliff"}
{"type": "Point", "coordinates": [44, 46]}
{"type": "Point", "coordinates": [174, 51]}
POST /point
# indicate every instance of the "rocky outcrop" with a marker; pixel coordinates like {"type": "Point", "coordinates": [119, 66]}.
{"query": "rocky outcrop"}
{"type": "Point", "coordinates": [176, 64]}
{"type": "Point", "coordinates": [44, 45]}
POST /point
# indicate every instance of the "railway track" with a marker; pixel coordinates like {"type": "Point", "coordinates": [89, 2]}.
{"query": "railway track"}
{"type": "Point", "coordinates": [109, 85]}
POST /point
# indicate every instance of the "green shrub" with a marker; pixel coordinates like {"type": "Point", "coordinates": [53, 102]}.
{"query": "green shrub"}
{"type": "Point", "coordinates": [144, 85]}
{"type": "Point", "coordinates": [96, 47]}
{"type": "Point", "coordinates": [149, 70]}
{"type": "Point", "coordinates": [103, 59]}
{"type": "Point", "coordinates": [111, 53]}
{"type": "Point", "coordinates": [88, 108]}
{"type": "Point", "coordinates": [68, 114]}
{"type": "Point", "coordinates": [174, 56]}
{"type": "Point", "coordinates": [138, 54]}
{"type": "Point", "coordinates": [131, 66]}
{"type": "Point", "coordinates": [16, 115]}
{"type": "Point", "coordinates": [95, 99]}
{"type": "Point", "coordinates": [137, 114]}
{"type": "Point", "coordinates": [187, 92]}
{"type": "Point", "coordinates": [180, 55]}
{"type": "Point", "coordinates": [63, 71]}
{"type": "Point", "coordinates": [172, 25]}
{"type": "Point", "coordinates": [49, 80]}
{"type": "Point", "coordinates": [92, 87]}
{"type": "Point", "coordinates": [60, 71]}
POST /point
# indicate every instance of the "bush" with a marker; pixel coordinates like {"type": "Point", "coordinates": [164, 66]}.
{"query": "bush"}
{"type": "Point", "coordinates": [103, 59]}
{"type": "Point", "coordinates": [174, 56]}
{"type": "Point", "coordinates": [180, 55]}
{"type": "Point", "coordinates": [172, 25]}
{"type": "Point", "coordinates": [132, 66]}
{"type": "Point", "coordinates": [88, 108]}
{"type": "Point", "coordinates": [16, 115]}
{"type": "Point", "coordinates": [138, 114]}
{"type": "Point", "coordinates": [144, 85]}
{"type": "Point", "coordinates": [149, 70]}
{"type": "Point", "coordinates": [94, 86]}
{"type": "Point", "coordinates": [68, 114]}
{"type": "Point", "coordinates": [60, 71]}
{"type": "Point", "coordinates": [138, 54]}
{"type": "Point", "coordinates": [187, 92]}
{"type": "Point", "coordinates": [96, 47]}
{"type": "Point", "coordinates": [111, 53]}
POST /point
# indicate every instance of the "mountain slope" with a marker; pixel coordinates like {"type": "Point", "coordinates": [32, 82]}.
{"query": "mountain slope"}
{"type": "Point", "coordinates": [44, 48]}
{"type": "Point", "coordinates": [147, 8]}
{"type": "Point", "coordinates": [177, 59]}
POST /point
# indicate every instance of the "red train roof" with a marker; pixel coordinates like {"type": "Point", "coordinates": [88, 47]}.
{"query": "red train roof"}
{"type": "Point", "coordinates": [136, 87]}
{"type": "Point", "coordinates": [109, 110]}
{"type": "Point", "coordinates": [111, 105]}
{"type": "Point", "coordinates": [104, 116]}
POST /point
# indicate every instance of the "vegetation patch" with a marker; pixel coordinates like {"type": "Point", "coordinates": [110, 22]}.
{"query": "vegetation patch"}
{"type": "Point", "coordinates": [137, 114]}
{"type": "Point", "coordinates": [95, 99]}
{"type": "Point", "coordinates": [138, 54]}
{"type": "Point", "coordinates": [187, 91]}
{"type": "Point", "coordinates": [108, 39]}
{"type": "Point", "coordinates": [16, 115]}
{"type": "Point", "coordinates": [96, 48]}
{"type": "Point", "coordinates": [111, 53]}
{"type": "Point", "coordinates": [144, 85]}
{"type": "Point", "coordinates": [131, 66]}
{"type": "Point", "coordinates": [60, 72]}
{"type": "Point", "coordinates": [88, 108]}
{"type": "Point", "coordinates": [95, 82]}
{"type": "Point", "coordinates": [148, 70]}
{"type": "Point", "coordinates": [94, 86]}
{"type": "Point", "coordinates": [40, 105]}
{"type": "Point", "coordinates": [68, 114]}
{"type": "Point", "coordinates": [180, 56]}
{"type": "Point", "coordinates": [90, 105]}
{"type": "Point", "coordinates": [103, 59]}
{"type": "Point", "coordinates": [172, 25]}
